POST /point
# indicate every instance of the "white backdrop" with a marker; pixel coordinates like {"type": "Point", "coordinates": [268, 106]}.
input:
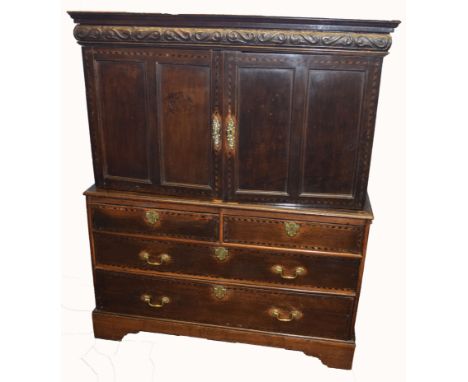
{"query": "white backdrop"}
{"type": "Point", "coordinates": [380, 330]}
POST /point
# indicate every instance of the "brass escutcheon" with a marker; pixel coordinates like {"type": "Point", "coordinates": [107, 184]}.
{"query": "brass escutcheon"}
{"type": "Point", "coordinates": [291, 228]}
{"type": "Point", "coordinates": [216, 130]}
{"type": "Point", "coordinates": [221, 253]}
{"type": "Point", "coordinates": [219, 291]}
{"type": "Point", "coordinates": [231, 131]}
{"type": "Point", "coordinates": [152, 217]}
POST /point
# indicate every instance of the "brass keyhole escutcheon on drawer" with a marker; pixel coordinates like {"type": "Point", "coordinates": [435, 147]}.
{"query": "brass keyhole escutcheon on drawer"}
{"type": "Point", "coordinates": [219, 292]}
{"type": "Point", "coordinates": [163, 300]}
{"type": "Point", "coordinates": [221, 253]}
{"type": "Point", "coordinates": [280, 270]}
{"type": "Point", "coordinates": [284, 316]}
{"type": "Point", "coordinates": [163, 258]}
{"type": "Point", "coordinates": [152, 217]}
{"type": "Point", "coordinates": [291, 228]}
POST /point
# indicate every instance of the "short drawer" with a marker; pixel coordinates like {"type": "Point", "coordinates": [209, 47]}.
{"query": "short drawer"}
{"type": "Point", "coordinates": [157, 222]}
{"type": "Point", "coordinates": [293, 234]}
{"type": "Point", "coordinates": [282, 312]}
{"type": "Point", "coordinates": [277, 267]}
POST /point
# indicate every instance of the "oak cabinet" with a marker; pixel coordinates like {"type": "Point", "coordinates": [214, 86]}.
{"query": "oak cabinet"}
{"type": "Point", "coordinates": [231, 156]}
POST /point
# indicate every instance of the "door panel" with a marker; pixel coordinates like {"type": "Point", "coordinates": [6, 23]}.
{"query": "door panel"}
{"type": "Point", "coordinates": [333, 105]}
{"type": "Point", "coordinates": [184, 115]}
{"type": "Point", "coordinates": [261, 90]}
{"type": "Point", "coordinates": [265, 110]}
{"type": "Point", "coordinates": [337, 130]}
{"type": "Point", "coordinates": [151, 129]}
{"type": "Point", "coordinates": [122, 89]}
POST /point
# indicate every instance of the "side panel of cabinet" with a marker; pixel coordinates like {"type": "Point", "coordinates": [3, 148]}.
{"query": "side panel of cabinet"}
{"type": "Point", "coordinates": [150, 119]}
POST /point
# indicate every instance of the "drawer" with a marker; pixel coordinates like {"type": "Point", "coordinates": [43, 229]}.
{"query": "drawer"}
{"type": "Point", "coordinates": [293, 234]}
{"type": "Point", "coordinates": [281, 312]}
{"type": "Point", "coordinates": [157, 222]}
{"type": "Point", "coordinates": [293, 269]}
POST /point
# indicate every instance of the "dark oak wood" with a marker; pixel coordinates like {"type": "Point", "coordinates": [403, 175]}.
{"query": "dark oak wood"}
{"type": "Point", "coordinates": [303, 128]}
{"type": "Point", "coordinates": [231, 157]}
{"type": "Point", "coordinates": [96, 195]}
{"type": "Point", "coordinates": [333, 353]}
{"type": "Point", "coordinates": [310, 234]}
{"type": "Point", "coordinates": [155, 106]}
{"type": "Point", "coordinates": [324, 316]}
{"type": "Point", "coordinates": [325, 295]}
{"type": "Point", "coordinates": [304, 121]}
{"type": "Point", "coordinates": [244, 21]}
{"type": "Point", "coordinates": [128, 219]}
{"type": "Point", "coordinates": [245, 264]}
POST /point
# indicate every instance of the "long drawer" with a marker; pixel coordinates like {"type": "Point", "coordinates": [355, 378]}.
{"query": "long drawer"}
{"type": "Point", "coordinates": [293, 234]}
{"type": "Point", "coordinates": [157, 222]}
{"type": "Point", "coordinates": [302, 314]}
{"type": "Point", "coordinates": [279, 267]}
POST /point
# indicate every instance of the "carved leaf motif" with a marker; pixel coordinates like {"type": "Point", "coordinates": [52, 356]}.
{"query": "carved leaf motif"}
{"type": "Point", "coordinates": [233, 36]}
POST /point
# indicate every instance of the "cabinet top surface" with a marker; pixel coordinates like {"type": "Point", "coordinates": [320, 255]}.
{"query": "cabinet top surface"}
{"type": "Point", "coordinates": [238, 21]}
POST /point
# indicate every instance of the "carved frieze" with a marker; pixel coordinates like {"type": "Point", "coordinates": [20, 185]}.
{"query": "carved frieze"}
{"type": "Point", "coordinates": [230, 36]}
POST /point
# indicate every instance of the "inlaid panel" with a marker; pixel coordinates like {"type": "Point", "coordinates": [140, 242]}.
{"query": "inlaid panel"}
{"type": "Point", "coordinates": [261, 92]}
{"type": "Point", "coordinates": [330, 147]}
{"type": "Point", "coordinates": [264, 109]}
{"type": "Point", "coordinates": [122, 92]}
{"type": "Point", "coordinates": [184, 125]}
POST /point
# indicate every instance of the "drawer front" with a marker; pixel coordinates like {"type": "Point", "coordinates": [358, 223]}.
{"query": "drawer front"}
{"type": "Point", "coordinates": [157, 222]}
{"type": "Point", "coordinates": [329, 272]}
{"type": "Point", "coordinates": [294, 234]}
{"type": "Point", "coordinates": [282, 312]}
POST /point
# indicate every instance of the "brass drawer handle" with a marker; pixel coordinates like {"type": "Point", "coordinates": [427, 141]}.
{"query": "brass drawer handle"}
{"type": "Point", "coordinates": [162, 301]}
{"type": "Point", "coordinates": [279, 269]}
{"type": "Point", "coordinates": [282, 316]}
{"type": "Point", "coordinates": [162, 258]}
{"type": "Point", "coordinates": [231, 131]}
{"type": "Point", "coordinates": [216, 130]}
{"type": "Point", "coordinates": [152, 217]}
{"type": "Point", "coordinates": [291, 228]}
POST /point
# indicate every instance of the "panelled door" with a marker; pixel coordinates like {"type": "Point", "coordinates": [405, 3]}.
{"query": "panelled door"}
{"type": "Point", "coordinates": [338, 125]}
{"type": "Point", "coordinates": [299, 127]}
{"type": "Point", "coordinates": [152, 126]}
{"type": "Point", "coordinates": [262, 124]}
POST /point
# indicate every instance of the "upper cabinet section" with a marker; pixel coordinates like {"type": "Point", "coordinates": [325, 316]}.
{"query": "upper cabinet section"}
{"type": "Point", "coordinates": [239, 108]}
